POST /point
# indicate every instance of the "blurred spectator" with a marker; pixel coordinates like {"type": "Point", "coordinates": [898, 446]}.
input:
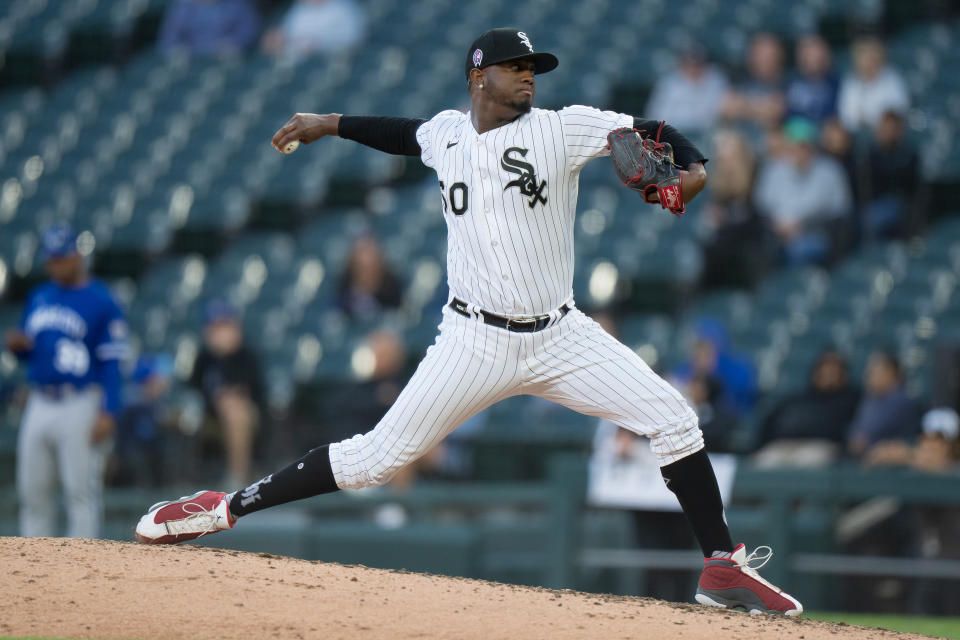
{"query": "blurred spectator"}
{"type": "Point", "coordinates": [837, 143]}
{"type": "Point", "coordinates": [733, 248]}
{"type": "Point", "coordinates": [368, 285]}
{"type": "Point", "coordinates": [713, 359]}
{"type": "Point", "coordinates": [812, 91]}
{"type": "Point", "coordinates": [317, 26]}
{"type": "Point", "coordinates": [218, 27]}
{"type": "Point", "coordinates": [872, 89]}
{"type": "Point", "coordinates": [690, 99]}
{"type": "Point", "coordinates": [228, 375]}
{"type": "Point", "coordinates": [808, 428]}
{"type": "Point", "coordinates": [717, 423]}
{"type": "Point", "coordinates": [938, 446]}
{"type": "Point", "coordinates": [892, 177]}
{"type": "Point", "coordinates": [887, 420]}
{"type": "Point", "coordinates": [360, 405]}
{"type": "Point", "coordinates": [138, 455]}
{"type": "Point", "coordinates": [805, 197]}
{"type": "Point", "coordinates": [938, 528]}
{"type": "Point", "coordinates": [759, 98]}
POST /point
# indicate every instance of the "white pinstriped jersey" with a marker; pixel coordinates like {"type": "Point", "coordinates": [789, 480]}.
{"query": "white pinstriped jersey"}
{"type": "Point", "coordinates": [509, 201]}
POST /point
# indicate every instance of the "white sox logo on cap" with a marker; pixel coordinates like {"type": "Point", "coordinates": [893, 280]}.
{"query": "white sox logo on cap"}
{"type": "Point", "coordinates": [525, 40]}
{"type": "Point", "coordinates": [477, 57]}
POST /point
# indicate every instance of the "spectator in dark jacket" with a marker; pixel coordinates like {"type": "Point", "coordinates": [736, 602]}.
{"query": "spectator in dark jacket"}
{"type": "Point", "coordinates": [892, 177]}
{"type": "Point", "coordinates": [209, 27]}
{"type": "Point", "coordinates": [228, 375]}
{"type": "Point", "coordinates": [887, 417]}
{"type": "Point", "coordinates": [808, 428]}
{"type": "Point", "coordinates": [368, 285]}
{"type": "Point", "coordinates": [812, 91]}
{"type": "Point", "coordinates": [142, 428]}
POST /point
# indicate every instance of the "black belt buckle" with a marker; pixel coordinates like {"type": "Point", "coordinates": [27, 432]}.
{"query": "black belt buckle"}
{"type": "Point", "coordinates": [522, 325]}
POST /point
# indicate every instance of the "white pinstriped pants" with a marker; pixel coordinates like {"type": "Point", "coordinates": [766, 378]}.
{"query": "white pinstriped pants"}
{"type": "Point", "coordinates": [472, 365]}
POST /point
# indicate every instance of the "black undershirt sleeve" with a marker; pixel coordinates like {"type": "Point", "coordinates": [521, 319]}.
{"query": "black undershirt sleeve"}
{"type": "Point", "coordinates": [685, 152]}
{"type": "Point", "coordinates": [391, 135]}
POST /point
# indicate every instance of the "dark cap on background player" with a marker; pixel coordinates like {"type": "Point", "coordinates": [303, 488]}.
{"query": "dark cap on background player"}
{"type": "Point", "coordinates": [219, 310]}
{"type": "Point", "coordinates": [59, 241]}
{"type": "Point", "coordinates": [61, 254]}
{"type": "Point", "coordinates": [500, 45]}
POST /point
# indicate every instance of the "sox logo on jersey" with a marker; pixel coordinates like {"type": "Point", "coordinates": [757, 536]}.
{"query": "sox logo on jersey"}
{"type": "Point", "coordinates": [502, 260]}
{"type": "Point", "coordinates": [527, 182]}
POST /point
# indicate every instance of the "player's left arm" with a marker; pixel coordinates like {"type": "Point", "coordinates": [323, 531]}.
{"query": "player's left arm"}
{"type": "Point", "coordinates": [693, 172]}
{"type": "Point", "coordinates": [110, 348]}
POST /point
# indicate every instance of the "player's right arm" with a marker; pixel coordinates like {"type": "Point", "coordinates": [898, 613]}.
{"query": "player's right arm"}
{"type": "Point", "coordinates": [16, 339]}
{"type": "Point", "coordinates": [18, 342]}
{"type": "Point", "coordinates": [397, 136]}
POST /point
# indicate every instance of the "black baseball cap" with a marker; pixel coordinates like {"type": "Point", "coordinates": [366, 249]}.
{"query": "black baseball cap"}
{"type": "Point", "coordinates": [500, 45]}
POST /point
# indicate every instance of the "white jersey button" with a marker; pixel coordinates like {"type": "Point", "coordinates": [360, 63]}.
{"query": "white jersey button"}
{"type": "Point", "coordinates": [494, 244]}
{"type": "Point", "coordinates": [506, 277]}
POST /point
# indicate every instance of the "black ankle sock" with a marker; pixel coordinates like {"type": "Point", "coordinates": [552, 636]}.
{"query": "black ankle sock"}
{"type": "Point", "coordinates": [695, 485]}
{"type": "Point", "coordinates": [311, 475]}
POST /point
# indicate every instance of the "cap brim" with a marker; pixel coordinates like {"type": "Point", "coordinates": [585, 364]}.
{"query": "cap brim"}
{"type": "Point", "coordinates": [54, 255]}
{"type": "Point", "coordinates": [544, 62]}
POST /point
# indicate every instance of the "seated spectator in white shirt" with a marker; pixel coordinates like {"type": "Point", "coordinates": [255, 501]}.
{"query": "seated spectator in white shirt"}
{"type": "Point", "coordinates": [872, 89]}
{"type": "Point", "coordinates": [804, 196]}
{"type": "Point", "coordinates": [317, 26]}
{"type": "Point", "coordinates": [690, 99]}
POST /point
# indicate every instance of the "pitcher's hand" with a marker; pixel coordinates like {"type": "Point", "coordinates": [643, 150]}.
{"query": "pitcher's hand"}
{"type": "Point", "coordinates": [306, 128]}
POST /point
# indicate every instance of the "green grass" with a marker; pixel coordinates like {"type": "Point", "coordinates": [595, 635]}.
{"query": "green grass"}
{"type": "Point", "coordinates": [926, 625]}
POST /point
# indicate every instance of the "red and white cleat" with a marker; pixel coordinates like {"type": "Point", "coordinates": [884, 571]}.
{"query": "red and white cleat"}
{"type": "Point", "coordinates": [185, 519]}
{"type": "Point", "coordinates": [732, 582]}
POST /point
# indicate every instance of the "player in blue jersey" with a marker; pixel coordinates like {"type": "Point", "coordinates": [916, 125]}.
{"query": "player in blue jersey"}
{"type": "Point", "coordinates": [72, 337]}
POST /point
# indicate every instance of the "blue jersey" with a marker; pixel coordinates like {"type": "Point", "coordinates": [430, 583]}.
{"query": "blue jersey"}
{"type": "Point", "coordinates": [79, 337]}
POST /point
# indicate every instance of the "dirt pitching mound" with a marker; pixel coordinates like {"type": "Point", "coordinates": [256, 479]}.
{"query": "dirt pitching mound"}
{"type": "Point", "coordinates": [98, 589]}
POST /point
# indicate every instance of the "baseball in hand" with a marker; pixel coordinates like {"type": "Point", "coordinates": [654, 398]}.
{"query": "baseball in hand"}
{"type": "Point", "coordinates": [291, 146]}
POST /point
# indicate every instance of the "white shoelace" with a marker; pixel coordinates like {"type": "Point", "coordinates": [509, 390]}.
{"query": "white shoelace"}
{"type": "Point", "coordinates": [193, 522]}
{"type": "Point", "coordinates": [756, 560]}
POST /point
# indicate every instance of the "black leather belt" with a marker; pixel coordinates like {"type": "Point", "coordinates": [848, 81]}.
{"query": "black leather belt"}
{"type": "Point", "coordinates": [528, 324]}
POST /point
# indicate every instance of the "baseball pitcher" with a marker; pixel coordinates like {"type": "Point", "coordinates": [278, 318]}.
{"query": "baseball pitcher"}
{"type": "Point", "coordinates": [508, 181]}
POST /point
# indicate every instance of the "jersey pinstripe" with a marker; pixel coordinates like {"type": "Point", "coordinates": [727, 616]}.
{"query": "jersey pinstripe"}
{"type": "Point", "coordinates": [510, 198]}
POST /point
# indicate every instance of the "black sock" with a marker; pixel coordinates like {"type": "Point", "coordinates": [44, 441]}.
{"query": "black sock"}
{"type": "Point", "coordinates": [311, 475]}
{"type": "Point", "coordinates": [695, 485]}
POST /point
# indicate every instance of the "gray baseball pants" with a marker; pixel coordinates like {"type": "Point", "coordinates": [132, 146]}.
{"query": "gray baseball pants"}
{"type": "Point", "coordinates": [54, 444]}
